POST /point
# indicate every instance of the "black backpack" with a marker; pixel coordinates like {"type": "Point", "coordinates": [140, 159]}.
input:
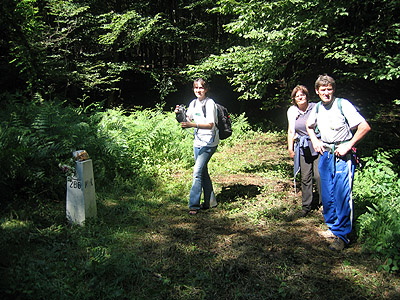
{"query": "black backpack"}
{"type": "Point", "coordinates": [224, 123]}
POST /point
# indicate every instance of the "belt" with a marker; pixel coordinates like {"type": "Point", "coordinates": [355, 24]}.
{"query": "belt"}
{"type": "Point", "coordinates": [332, 146]}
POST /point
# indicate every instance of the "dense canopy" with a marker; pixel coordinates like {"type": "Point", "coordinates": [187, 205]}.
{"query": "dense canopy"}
{"type": "Point", "coordinates": [95, 49]}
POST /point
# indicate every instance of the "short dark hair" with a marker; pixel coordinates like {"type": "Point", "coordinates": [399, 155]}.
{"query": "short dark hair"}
{"type": "Point", "coordinates": [324, 80]}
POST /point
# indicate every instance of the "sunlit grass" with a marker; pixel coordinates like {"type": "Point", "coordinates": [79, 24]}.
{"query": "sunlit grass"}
{"type": "Point", "coordinates": [12, 224]}
{"type": "Point", "coordinates": [144, 245]}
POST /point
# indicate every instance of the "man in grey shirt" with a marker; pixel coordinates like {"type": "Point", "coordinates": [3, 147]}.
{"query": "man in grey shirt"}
{"type": "Point", "coordinates": [335, 118]}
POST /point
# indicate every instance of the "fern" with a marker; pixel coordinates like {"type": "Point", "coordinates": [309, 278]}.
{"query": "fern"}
{"type": "Point", "coordinates": [379, 226]}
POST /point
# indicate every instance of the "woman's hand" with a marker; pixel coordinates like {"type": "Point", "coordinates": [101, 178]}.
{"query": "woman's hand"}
{"type": "Point", "coordinates": [290, 141]}
{"type": "Point", "coordinates": [187, 124]}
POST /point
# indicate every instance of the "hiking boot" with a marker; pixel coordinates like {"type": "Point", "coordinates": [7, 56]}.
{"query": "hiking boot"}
{"type": "Point", "coordinates": [337, 245]}
{"type": "Point", "coordinates": [328, 234]}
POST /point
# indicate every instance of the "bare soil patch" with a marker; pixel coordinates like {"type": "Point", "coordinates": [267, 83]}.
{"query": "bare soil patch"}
{"type": "Point", "coordinates": [254, 245]}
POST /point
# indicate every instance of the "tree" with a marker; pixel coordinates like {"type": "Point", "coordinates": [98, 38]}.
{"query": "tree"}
{"type": "Point", "coordinates": [278, 42]}
{"type": "Point", "coordinates": [162, 37]}
{"type": "Point", "coordinates": [80, 49]}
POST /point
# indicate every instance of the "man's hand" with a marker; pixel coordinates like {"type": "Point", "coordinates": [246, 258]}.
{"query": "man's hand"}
{"type": "Point", "coordinates": [318, 146]}
{"type": "Point", "coordinates": [342, 149]}
{"type": "Point", "coordinates": [361, 131]}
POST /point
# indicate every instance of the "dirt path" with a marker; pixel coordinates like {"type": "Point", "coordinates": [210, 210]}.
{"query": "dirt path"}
{"type": "Point", "coordinates": [253, 245]}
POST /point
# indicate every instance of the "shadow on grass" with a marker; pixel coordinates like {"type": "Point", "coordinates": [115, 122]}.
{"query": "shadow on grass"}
{"type": "Point", "coordinates": [213, 257]}
{"type": "Point", "coordinates": [141, 250]}
{"type": "Point", "coordinates": [235, 192]}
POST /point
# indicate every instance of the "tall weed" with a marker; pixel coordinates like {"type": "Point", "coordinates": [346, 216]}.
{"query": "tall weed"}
{"type": "Point", "coordinates": [138, 143]}
{"type": "Point", "coordinates": [377, 187]}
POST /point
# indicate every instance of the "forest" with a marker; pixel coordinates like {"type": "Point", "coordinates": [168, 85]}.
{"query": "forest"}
{"type": "Point", "coordinates": [104, 76]}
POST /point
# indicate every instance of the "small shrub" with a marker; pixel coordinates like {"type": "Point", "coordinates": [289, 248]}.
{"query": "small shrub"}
{"type": "Point", "coordinates": [377, 186]}
{"type": "Point", "coordinates": [129, 148]}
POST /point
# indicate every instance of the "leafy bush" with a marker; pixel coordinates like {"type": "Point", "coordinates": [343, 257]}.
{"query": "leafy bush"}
{"type": "Point", "coordinates": [130, 149]}
{"type": "Point", "coordinates": [138, 143]}
{"type": "Point", "coordinates": [378, 186]}
{"type": "Point", "coordinates": [34, 138]}
{"type": "Point", "coordinates": [37, 137]}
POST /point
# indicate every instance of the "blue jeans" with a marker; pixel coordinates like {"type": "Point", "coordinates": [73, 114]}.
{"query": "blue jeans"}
{"type": "Point", "coordinates": [337, 176]}
{"type": "Point", "coordinates": [201, 178]}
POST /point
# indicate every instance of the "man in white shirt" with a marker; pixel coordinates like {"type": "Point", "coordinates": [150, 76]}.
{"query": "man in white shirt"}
{"type": "Point", "coordinates": [335, 118]}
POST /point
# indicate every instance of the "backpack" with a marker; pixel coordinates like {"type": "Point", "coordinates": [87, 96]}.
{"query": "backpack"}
{"type": "Point", "coordinates": [224, 123]}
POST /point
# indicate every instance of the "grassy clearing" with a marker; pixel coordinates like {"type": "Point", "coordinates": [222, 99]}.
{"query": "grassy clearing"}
{"type": "Point", "coordinates": [144, 245]}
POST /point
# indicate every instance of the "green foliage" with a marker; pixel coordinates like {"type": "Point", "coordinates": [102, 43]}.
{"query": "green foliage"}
{"type": "Point", "coordinates": [88, 47]}
{"type": "Point", "coordinates": [274, 35]}
{"type": "Point", "coordinates": [132, 26]}
{"type": "Point", "coordinates": [27, 28]}
{"type": "Point", "coordinates": [241, 129]}
{"type": "Point", "coordinates": [61, 45]}
{"type": "Point", "coordinates": [67, 262]}
{"type": "Point", "coordinates": [142, 140]}
{"type": "Point", "coordinates": [128, 148]}
{"type": "Point", "coordinates": [378, 186]}
{"type": "Point", "coordinates": [379, 33]}
{"type": "Point", "coordinates": [241, 62]}
{"type": "Point", "coordinates": [282, 41]}
{"type": "Point", "coordinates": [35, 138]}
{"type": "Point", "coordinates": [263, 47]}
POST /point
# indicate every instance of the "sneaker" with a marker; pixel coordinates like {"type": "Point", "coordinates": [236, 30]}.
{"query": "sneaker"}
{"type": "Point", "coordinates": [337, 245]}
{"type": "Point", "coordinates": [328, 234]}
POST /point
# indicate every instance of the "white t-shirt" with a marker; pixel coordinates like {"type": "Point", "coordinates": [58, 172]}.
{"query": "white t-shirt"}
{"type": "Point", "coordinates": [204, 137]}
{"type": "Point", "coordinates": [332, 123]}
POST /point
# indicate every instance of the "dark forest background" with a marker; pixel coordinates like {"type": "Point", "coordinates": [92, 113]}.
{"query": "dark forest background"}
{"type": "Point", "coordinates": [139, 53]}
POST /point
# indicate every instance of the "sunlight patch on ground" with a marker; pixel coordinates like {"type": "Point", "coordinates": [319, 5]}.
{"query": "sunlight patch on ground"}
{"type": "Point", "coordinates": [14, 224]}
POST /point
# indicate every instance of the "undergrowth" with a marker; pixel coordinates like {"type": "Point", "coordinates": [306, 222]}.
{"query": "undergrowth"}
{"type": "Point", "coordinates": [137, 248]}
{"type": "Point", "coordinates": [376, 191]}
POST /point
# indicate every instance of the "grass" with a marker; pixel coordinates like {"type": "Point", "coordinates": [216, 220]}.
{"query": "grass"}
{"type": "Point", "coordinates": [144, 245]}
